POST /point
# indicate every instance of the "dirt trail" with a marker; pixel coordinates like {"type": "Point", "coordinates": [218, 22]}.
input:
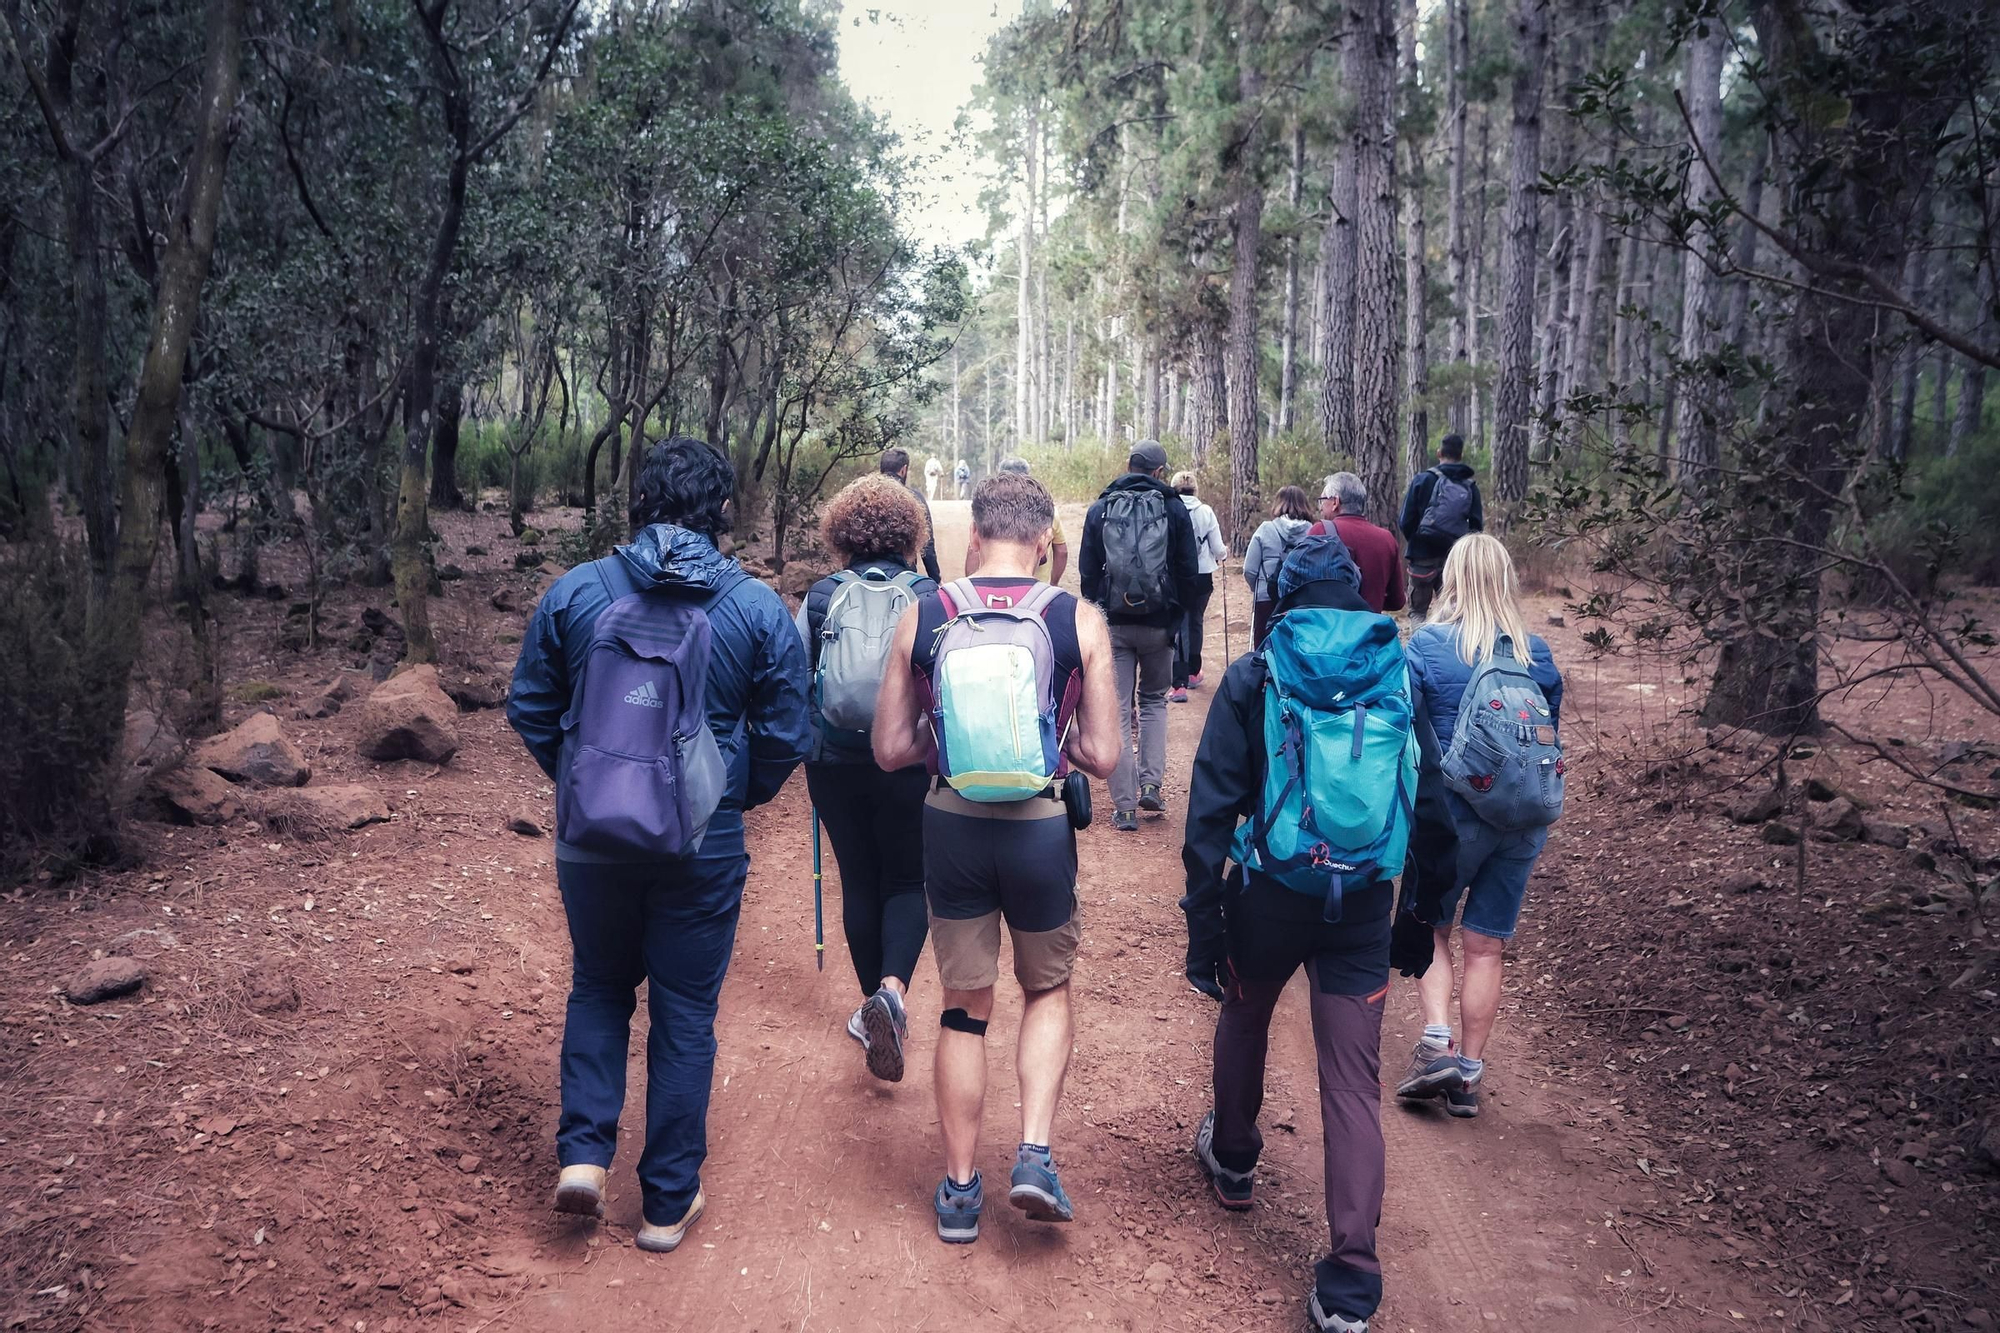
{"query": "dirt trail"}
{"type": "Point", "coordinates": [819, 1178]}
{"type": "Point", "coordinates": [379, 1159]}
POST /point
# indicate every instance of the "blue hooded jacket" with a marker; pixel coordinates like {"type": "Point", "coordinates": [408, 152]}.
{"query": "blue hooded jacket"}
{"type": "Point", "coordinates": [756, 674]}
{"type": "Point", "coordinates": [1440, 675]}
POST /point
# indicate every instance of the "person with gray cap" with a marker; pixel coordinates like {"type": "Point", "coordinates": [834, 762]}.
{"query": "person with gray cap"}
{"type": "Point", "coordinates": [1139, 565]}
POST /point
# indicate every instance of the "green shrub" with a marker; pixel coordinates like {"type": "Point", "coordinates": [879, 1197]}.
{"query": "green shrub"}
{"type": "Point", "coordinates": [1946, 522]}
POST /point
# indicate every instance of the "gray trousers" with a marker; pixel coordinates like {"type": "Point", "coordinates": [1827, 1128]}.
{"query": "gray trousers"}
{"type": "Point", "coordinates": [1143, 657]}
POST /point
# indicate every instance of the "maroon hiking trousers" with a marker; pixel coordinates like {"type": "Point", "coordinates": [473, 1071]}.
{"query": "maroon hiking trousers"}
{"type": "Point", "coordinates": [1347, 966]}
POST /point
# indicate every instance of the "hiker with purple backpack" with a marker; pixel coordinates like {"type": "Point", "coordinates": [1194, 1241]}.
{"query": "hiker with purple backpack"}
{"type": "Point", "coordinates": [662, 689]}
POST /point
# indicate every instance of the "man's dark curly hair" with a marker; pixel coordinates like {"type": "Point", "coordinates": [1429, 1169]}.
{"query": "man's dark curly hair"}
{"type": "Point", "coordinates": [686, 483]}
{"type": "Point", "coordinates": [875, 518]}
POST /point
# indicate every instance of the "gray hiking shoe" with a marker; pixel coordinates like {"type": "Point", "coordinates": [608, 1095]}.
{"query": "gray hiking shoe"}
{"type": "Point", "coordinates": [1434, 1071]}
{"type": "Point", "coordinates": [1150, 799]}
{"type": "Point", "coordinates": [854, 1028]}
{"type": "Point", "coordinates": [1463, 1101]}
{"type": "Point", "coordinates": [1125, 821]}
{"type": "Point", "coordinates": [958, 1211]}
{"type": "Point", "coordinates": [1035, 1190]}
{"type": "Point", "coordinates": [884, 1025]}
{"type": "Point", "coordinates": [1232, 1188]}
{"type": "Point", "coordinates": [1326, 1321]}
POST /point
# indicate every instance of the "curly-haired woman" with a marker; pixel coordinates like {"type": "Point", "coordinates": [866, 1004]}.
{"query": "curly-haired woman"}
{"type": "Point", "coordinates": [874, 819]}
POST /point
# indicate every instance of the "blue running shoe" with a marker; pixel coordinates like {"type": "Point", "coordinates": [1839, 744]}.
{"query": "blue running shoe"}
{"type": "Point", "coordinates": [1037, 1192]}
{"type": "Point", "coordinates": [958, 1211]}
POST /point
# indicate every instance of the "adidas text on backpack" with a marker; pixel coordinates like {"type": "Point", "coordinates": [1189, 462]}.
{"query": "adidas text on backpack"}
{"type": "Point", "coordinates": [1138, 541]}
{"type": "Point", "coordinates": [640, 772]}
{"type": "Point", "coordinates": [1338, 798]}
{"type": "Point", "coordinates": [854, 642]}
{"type": "Point", "coordinates": [993, 696]}
{"type": "Point", "coordinates": [1505, 760]}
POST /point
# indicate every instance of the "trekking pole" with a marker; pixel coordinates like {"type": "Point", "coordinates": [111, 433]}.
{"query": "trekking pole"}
{"type": "Point", "coordinates": [1223, 569]}
{"type": "Point", "coordinates": [819, 913]}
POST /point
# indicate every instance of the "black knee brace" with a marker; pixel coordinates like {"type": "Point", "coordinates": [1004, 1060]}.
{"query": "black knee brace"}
{"type": "Point", "coordinates": [960, 1021]}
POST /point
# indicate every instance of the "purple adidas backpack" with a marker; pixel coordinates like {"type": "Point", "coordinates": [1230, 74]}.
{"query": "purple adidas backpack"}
{"type": "Point", "coordinates": [641, 773]}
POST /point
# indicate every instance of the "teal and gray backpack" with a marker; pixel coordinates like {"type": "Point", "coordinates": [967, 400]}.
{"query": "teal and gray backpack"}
{"type": "Point", "coordinates": [1504, 759]}
{"type": "Point", "coordinates": [1340, 782]}
{"type": "Point", "coordinates": [854, 642]}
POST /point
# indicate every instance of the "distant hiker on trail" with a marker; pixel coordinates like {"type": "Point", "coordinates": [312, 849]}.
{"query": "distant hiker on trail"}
{"type": "Point", "coordinates": [1139, 566]}
{"type": "Point", "coordinates": [1001, 683]}
{"type": "Point", "coordinates": [1209, 552]}
{"type": "Point", "coordinates": [1343, 504]}
{"type": "Point", "coordinates": [1269, 545]}
{"type": "Point", "coordinates": [1057, 560]}
{"type": "Point", "coordinates": [662, 658]}
{"type": "Point", "coordinates": [961, 475]}
{"type": "Point", "coordinates": [933, 471]}
{"type": "Point", "coordinates": [1323, 796]}
{"type": "Point", "coordinates": [896, 463]}
{"type": "Point", "coordinates": [1497, 719]}
{"type": "Point", "coordinates": [873, 818]}
{"type": "Point", "coordinates": [1441, 506]}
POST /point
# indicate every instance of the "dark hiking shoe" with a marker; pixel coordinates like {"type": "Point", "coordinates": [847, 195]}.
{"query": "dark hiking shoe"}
{"type": "Point", "coordinates": [1326, 1321]}
{"type": "Point", "coordinates": [1125, 821]}
{"type": "Point", "coordinates": [1150, 799]}
{"type": "Point", "coordinates": [885, 1026]}
{"type": "Point", "coordinates": [1434, 1071]}
{"type": "Point", "coordinates": [1036, 1191]}
{"type": "Point", "coordinates": [958, 1211]}
{"type": "Point", "coordinates": [1232, 1188]}
{"type": "Point", "coordinates": [1463, 1101]}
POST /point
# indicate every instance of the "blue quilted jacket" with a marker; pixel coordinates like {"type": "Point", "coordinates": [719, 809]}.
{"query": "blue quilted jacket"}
{"type": "Point", "coordinates": [1440, 675]}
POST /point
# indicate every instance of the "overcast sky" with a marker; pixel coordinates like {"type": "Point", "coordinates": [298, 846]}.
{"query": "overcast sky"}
{"type": "Point", "coordinates": [916, 62]}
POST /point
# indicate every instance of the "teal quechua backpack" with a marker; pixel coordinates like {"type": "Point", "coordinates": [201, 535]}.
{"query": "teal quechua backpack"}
{"type": "Point", "coordinates": [1340, 756]}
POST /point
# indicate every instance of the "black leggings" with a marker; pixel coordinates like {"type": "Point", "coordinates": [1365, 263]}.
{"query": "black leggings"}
{"type": "Point", "coordinates": [1187, 644]}
{"type": "Point", "coordinates": [875, 821]}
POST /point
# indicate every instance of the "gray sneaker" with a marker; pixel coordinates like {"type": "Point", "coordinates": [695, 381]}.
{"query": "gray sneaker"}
{"type": "Point", "coordinates": [1325, 1321]}
{"type": "Point", "coordinates": [854, 1028]}
{"type": "Point", "coordinates": [958, 1212]}
{"type": "Point", "coordinates": [1434, 1071]}
{"type": "Point", "coordinates": [1233, 1189]}
{"type": "Point", "coordinates": [885, 1026]}
{"type": "Point", "coordinates": [1463, 1101]}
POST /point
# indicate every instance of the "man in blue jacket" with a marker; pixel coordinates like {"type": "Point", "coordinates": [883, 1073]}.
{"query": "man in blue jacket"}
{"type": "Point", "coordinates": [667, 921]}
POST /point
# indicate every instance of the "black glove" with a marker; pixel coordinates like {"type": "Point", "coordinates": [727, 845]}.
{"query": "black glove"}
{"type": "Point", "coordinates": [1411, 944]}
{"type": "Point", "coordinates": [1208, 948]}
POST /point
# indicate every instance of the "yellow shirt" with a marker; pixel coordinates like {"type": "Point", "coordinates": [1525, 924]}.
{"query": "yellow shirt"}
{"type": "Point", "coordinates": [1056, 539]}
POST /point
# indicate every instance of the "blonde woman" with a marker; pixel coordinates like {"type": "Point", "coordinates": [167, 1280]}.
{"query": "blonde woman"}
{"type": "Point", "coordinates": [1478, 604]}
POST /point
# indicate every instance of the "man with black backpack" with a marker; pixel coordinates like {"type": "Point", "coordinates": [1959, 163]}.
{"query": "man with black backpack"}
{"type": "Point", "coordinates": [663, 690]}
{"type": "Point", "coordinates": [1140, 565]}
{"type": "Point", "coordinates": [1442, 505]}
{"type": "Point", "coordinates": [1318, 783]}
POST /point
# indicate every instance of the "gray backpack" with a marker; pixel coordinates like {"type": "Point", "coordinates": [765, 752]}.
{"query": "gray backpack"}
{"type": "Point", "coordinates": [1138, 536]}
{"type": "Point", "coordinates": [1505, 759]}
{"type": "Point", "coordinates": [1449, 513]}
{"type": "Point", "coordinates": [854, 642]}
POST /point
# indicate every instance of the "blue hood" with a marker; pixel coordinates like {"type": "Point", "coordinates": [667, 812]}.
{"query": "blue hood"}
{"type": "Point", "coordinates": [665, 556]}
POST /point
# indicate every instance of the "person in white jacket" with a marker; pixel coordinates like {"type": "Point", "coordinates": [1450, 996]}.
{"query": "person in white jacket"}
{"type": "Point", "coordinates": [1209, 553]}
{"type": "Point", "coordinates": [1290, 518]}
{"type": "Point", "coordinates": [933, 471]}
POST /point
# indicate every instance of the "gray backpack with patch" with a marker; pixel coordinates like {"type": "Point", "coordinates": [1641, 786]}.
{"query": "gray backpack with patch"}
{"type": "Point", "coordinates": [854, 642]}
{"type": "Point", "coordinates": [1138, 539]}
{"type": "Point", "coordinates": [1449, 513]}
{"type": "Point", "coordinates": [1505, 759]}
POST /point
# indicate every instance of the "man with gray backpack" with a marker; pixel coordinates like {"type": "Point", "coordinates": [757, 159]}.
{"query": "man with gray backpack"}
{"type": "Point", "coordinates": [1141, 566]}
{"type": "Point", "coordinates": [662, 689]}
{"type": "Point", "coordinates": [1001, 685]}
{"type": "Point", "coordinates": [1441, 506]}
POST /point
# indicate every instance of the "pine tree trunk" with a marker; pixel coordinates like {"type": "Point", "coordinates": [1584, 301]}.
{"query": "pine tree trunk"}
{"type": "Point", "coordinates": [1337, 264]}
{"type": "Point", "coordinates": [1457, 59]}
{"type": "Point", "coordinates": [1916, 284]}
{"type": "Point", "coordinates": [1746, 243]}
{"type": "Point", "coordinates": [1476, 269]}
{"type": "Point", "coordinates": [1246, 240]}
{"type": "Point", "coordinates": [1514, 387]}
{"type": "Point", "coordinates": [1624, 331]}
{"type": "Point", "coordinates": [1376, 347]}
{"type": "Point", "coordinates": [1024, 294]}
{"type": "Point", "coordinates": [1288, 357]}
{"type": "Point", "coordinates": [1703, 398]}
{"type": "Point", "coordinates": [1416, 331]}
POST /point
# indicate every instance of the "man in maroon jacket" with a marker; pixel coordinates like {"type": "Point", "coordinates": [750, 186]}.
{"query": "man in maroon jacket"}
{"type": "Point", "coordinates": [1342, 502]}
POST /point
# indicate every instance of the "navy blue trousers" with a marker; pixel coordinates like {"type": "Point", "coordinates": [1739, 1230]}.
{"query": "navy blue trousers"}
{"type": "Point", "coordinates": [670, 925]}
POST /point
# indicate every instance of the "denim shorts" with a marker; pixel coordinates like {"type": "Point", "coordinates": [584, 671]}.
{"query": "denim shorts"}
{"type": "Point", "coordinates": [1493, 869]}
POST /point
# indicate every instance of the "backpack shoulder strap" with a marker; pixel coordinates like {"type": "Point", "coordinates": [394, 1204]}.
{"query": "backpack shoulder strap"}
{"type": "Point", "coordinates": [1038, 601]}
{"type": "Point", "coordinates": [962, 596]}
